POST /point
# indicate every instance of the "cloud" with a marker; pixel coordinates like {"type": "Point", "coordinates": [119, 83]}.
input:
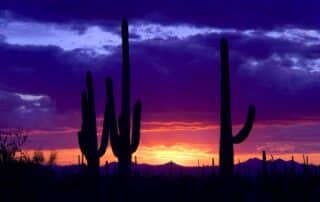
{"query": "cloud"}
{"type": "Point", "coordinates": [149, 31]}
{"type": "Point", "coordinates": [309, 37]}
{"type": "Point", "coordinates": [156, 127]}
{"type": "Point", "coordinates": [178, 63]}
{"type": "Point", "coordinates": [31, 98]}
{"type": "Point", "coordinates": [24, 110]}
{"type": "Point", "coordinates": [102, 40]}
{"type": "Point", "coordinates": [92, 38]}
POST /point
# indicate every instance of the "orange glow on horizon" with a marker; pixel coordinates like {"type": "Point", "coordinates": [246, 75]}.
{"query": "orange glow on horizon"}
{"type": "Point", "coordinates": [181, 154]}
{"type": "Point", "coordinates": [186, 143]}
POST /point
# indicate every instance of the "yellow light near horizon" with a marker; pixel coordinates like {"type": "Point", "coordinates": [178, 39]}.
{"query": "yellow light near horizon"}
{"type": "Point", "coordinates": [182, 154]}
{"type": "Point", "coordinates": [186, 155]}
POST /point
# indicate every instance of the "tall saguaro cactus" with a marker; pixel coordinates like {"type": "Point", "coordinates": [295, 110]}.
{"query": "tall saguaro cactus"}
{"type": "Point", "coordinates": [226, 137]}
{"type": "Point", "coordinates": [123, 143]}
{"type": "Point", "coordinates": [87, 136]}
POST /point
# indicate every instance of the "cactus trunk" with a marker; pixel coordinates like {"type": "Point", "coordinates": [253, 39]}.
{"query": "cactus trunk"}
{"type": "Point", "coordinates": [226, 145]}
{"type": "Point", "coordinates": [227, 139]}
{"type": "Point", "coordinates": [124, 165]}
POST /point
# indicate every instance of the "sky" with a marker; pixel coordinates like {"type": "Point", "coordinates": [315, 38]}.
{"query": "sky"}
{"type": "Point", "coordinates": [47, 46]}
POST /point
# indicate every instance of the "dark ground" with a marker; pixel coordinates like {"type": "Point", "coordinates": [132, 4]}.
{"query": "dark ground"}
{"type": "Point", "coordinates": [31, 182]}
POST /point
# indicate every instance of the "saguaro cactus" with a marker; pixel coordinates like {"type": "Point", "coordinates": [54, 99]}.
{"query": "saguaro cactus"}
{"type": "Point", "coordinates": [87, 136]}
{"type": "Point", "coordinates": [226, 137]}
{"type": "Point", "coordinates": [123, 146]}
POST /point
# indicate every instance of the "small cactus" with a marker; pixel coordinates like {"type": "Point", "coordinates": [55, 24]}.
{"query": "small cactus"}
{"type": "Point", "coordinates": [264, 164]}
{"type": "Point", "coordinates": [305, 164]}
{"type": "Point", "coordinates": [226, 137]}
{"type": "Point", "coordinates": [87, 136]}
{"type": "Point", "coordinates": [135, 166]}
{"type": "Point", "coordinates": [292, 168]}
{"type": "Point", "coordinates": [239, 167]}
{"type": "Point", "coordinates": [273, 168]}
{"type": "Point", "coordinates": [212, 167]}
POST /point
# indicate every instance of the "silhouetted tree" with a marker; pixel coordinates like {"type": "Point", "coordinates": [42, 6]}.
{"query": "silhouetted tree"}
{"type": "Point", "coordinates": [38, 157]}
{"type": "Point", "coordinates": [226, 137]}
{"type": "Point", "coordinates": [11, 141]}
{"type": "Point", "coordinates": [87, 136]}
{"type": "Point", "coordinates": [52, 158]}
{"type": "Point", "coordinates": [122, 145]}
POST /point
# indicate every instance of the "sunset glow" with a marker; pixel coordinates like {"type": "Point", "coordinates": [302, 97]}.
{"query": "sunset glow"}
{"type": "Point", "coordinates": [179, 154]}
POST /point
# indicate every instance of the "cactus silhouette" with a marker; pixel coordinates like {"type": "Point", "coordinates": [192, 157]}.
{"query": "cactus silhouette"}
{"type": "Point", "coordinates": [135, 166]}
{"type": "Point", "coordinates": [226, 137]}
{"type": "Point", "coordinates": [212, 167]}
{"type": "Point", "coordinates": [122, 145]}
{"type": "Point", "coordinates": [264, 164]}
{"type": "Point", "coordinates": [87, 136]}
{"type": "Point", "coordinates": [292, 167]}
{"type": "Point", "coordinates": [305, 164]}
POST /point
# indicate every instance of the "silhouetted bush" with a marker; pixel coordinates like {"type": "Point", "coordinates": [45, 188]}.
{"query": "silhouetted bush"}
{"type": "Point", "coordinates": [38, 157]}
{"type": "Point", "coordinates": [52, 158]}
{"type": "Point", "coordinates": [11, 141]}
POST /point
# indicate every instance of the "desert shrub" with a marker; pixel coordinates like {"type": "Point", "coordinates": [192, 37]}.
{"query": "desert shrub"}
{"type": "Point", "coordinates": [11, 141]}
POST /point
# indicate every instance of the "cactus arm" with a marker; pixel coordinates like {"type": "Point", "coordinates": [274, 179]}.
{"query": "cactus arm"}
{"type": "Point", "coordinates": [91, 108]}
{"type": "Point", "coordinates": [105, 132]}
{"type": "Point", "coordinates": [82, 142]}
{"type": "Point", "coordinates": [114, 138]}
{"type": "Point", "coordinates": [120, 123]}
{"type": "Point", "coordinates": [84, 110]}
{"type": "Point", "coordinates": [81, 134]}
{"type": "Point", "coordinates": [245, 131]}
{"type": "Point", "coordinates": [113, 127]}
{"type": "Point", "coordinates": [136, 127]}
{"type": "Point", "coordinates": [106, 119]}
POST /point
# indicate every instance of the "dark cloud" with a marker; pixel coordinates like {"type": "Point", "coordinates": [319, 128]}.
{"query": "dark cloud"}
{"type": "Point", "coordinates": [247, 13]}
{"type": "Point", "coordinates": [176, 78]}
{"type": "Point", "coordinates": [25, 110]}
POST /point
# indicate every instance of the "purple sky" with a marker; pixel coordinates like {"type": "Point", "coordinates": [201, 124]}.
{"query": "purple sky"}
{"type": "Point", "coordinates": [47, 46]}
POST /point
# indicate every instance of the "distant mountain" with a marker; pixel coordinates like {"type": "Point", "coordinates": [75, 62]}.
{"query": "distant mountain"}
{"type": "Point", "coordinates": [251, 167]}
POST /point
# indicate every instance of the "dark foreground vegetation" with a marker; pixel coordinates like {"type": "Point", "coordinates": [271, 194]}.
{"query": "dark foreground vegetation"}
{"type": "Point", "coordinates": [29, 181]}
